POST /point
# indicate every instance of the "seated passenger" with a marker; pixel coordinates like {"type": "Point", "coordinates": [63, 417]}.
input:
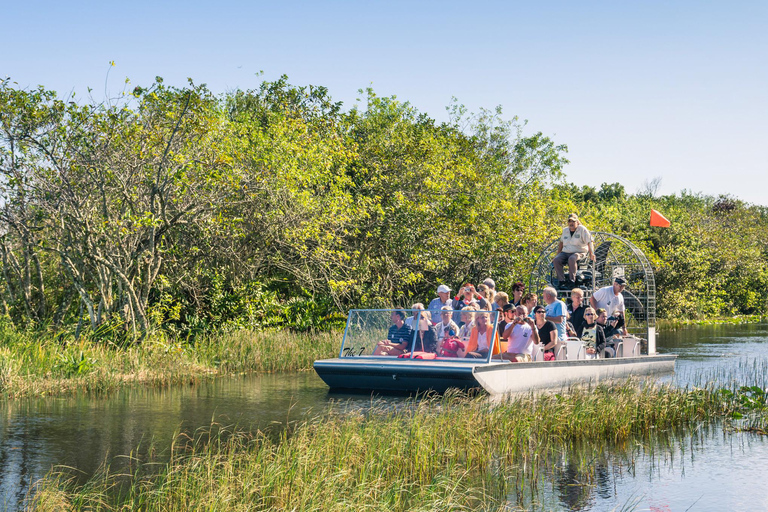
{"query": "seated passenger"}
{"type": "Point", "coordinates": [547, 333]}
{"type": "Point", "coordinates": [576, 310]}
{"type": "Point", "coordinates": [610, 326]}
{"type": "Point", "coordinates": [500, 300]}
{"type": "Point", "coordinates": [485, 297]}
{"type": "Point", "coordinates": [480, 341]}
{"type": "Point", "coordinates": [426, 337]}
{"type": "Point", "coordinates": [522, 336]}
{"type": "Point", "coordinates": [518, 289]}
{"type": "Point", "coordinates": [593, 335]}
{"type": "Point", "coordinates": [505, 319]}
{"type": "Point", "coordinates": [529, 301]}
{"type": "Point", "coordinates": [436, 305]}
{"type": "Point", "coordinates": [415, 310]}
{"type": "Point", "coordinates": [451, 346]}
{"type": "Point", "coordinates": [399, 337]}
{"type": "Point", "coordinates": [575, 243]}
{"type": "Point", "coordinates": [465, 298]}
{"type": "Point", "coordinates": [446, 327]}
{"type": "Point", "coordinates": [467, 323]}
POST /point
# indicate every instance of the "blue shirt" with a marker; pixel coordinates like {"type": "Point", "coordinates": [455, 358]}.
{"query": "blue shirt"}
{"type": "Point", "coordinates": [557, 308]}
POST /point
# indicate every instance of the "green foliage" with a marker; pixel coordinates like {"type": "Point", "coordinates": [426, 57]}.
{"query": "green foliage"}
{"type": "Point", "coordinates": [181, 211]}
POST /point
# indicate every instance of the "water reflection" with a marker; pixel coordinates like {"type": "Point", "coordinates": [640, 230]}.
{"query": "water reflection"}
{"type": "Point", "coordinates": [705, 470]}
{"type": "Point", "coordinates": [84, 433]}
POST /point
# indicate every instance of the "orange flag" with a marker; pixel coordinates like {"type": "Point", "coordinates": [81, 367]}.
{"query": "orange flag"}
{"type": "Point", "coordinates": [658, 220]}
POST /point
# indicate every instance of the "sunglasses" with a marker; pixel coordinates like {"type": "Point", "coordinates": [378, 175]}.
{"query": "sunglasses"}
{"type": "Point", "coordinates": [589, 314]}
{"type": "Point", "coordinates": [537, 312]}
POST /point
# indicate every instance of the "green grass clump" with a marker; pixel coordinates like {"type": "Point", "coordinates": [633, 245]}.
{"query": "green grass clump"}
{"type": "Point", "coordinates": [669, 324]}
{"type": "Point", "coordinates": [36, 365]}
{"type": "Point", "coordinates": [448, 453]}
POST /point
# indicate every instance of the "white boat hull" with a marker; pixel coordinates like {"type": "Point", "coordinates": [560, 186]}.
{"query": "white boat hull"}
{"type": "Point", "coordinates": [500, 379]}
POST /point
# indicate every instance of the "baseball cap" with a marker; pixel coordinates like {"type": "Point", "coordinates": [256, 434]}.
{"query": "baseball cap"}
{"type": "Point", "coordinates": [443, 289]}
{"type": "Point", "coordinates": [573, 216]}
{"type": "Point", "coordinates": [620, 280]}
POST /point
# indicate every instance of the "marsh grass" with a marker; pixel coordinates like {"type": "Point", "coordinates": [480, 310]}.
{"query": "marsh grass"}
{"type": "Point", "coordinates": [33, 365]}
{"type": "Point", "coordinates": [443, 453]}
{"type": "Point", "coordinates": [666, 324]}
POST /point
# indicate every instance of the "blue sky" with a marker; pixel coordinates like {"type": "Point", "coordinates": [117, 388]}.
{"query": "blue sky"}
{"type": "Point", "coordinates": [637, 90]}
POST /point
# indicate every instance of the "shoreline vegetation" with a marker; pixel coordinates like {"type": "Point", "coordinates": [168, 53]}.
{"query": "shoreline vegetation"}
{"type": "Point", "coordinates": [452, 452]}
{"type": "Point", "coordinates": [31, 366]}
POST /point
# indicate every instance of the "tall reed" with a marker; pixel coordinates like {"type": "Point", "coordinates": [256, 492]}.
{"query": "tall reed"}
{"type": "Point", "coordinates": [33, 365]}
{"type": "Point", "coordinates": [448, 453]}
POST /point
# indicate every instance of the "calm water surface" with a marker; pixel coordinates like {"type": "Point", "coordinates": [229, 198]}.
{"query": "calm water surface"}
{"type": "Point", "coordinates": [706, 470]}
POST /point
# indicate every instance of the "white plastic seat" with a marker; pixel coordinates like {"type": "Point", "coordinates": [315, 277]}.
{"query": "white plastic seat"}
{"type": "Point", "coordinates": [536, 353]}
{"type": "Point", "coordinates": [575, 349]}
{"type": "Point", "coordinates": [628, 347]}
{"type": "Point", "coordinates": [561, 351]}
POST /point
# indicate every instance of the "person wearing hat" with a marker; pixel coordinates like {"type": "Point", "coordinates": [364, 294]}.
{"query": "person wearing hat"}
{"type": "Point", "coordinates": [436, 305]}
{"type": "Point", "coordinates": [575, 242]}
{"type": "Point", "coordinates": [611, 299]}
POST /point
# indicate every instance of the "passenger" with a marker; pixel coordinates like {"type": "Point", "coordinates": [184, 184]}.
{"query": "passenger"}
{"type": "Point", "coordinates": [593, 335]}
{"type": "Point", "coordinates": [574, 244]}
{"type": "Point", "coordinates": [529, 301]}
{"type": "Point", "coordinates": [570, 331]}
{"type": "Point", "coordinates": [426, 338]}
{"type": "Point", "coordinates": [609, 325]}
{"type": "Point", "coordinates": [501, 300]}
{"type": "Point", "coordinates": [522, 336]}
{"type": "Point", "coordinates": [398, 339]}
{"type": "Point", "coordinates": [436, 305]}
{"type": "Point", "coordinates": [415, 310]}
{"type": "Point", "coordinates": [518, 289]}
{"type": "Point", "coordinates": [611, 299]}
{"type": "Point", "coordinates": [480, 342]}
{"type": "Point", "coordinates": [467, 323]}
{"type": "Point", "coordinates": [451, 347]}
{"type": "Point", "coordinates": [547, 333]}
{"type": "Point", "coordinates": [446, 327]}
{"type": "Point", "coordinates": [556, 311]}
{"type": "Point", "coordinates": [576, 310]}
{"type": "Point", "coordinates": [486, 297]}
{"type": "Point", "coordinates": [467, 298]}
{"type": "Point", "coordinates": [505, 319]}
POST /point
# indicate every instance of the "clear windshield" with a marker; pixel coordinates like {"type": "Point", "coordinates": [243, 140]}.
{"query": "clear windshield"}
{"type": "Point", "coordinates": [450, 336]}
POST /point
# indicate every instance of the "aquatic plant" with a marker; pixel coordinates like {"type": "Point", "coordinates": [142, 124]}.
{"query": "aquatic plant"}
{"type": "Point", "coordinates": [453, 452]}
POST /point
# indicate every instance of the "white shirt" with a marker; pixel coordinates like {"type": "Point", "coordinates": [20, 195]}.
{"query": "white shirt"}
{"type": "Point", "coordinates": [482, 341]}
{"type": "Point", "coordinates": [578, 242]}
{"type": "Point", "coordinates": [520, 341]}
{"type": "Point", "coordinates": [605, 299]}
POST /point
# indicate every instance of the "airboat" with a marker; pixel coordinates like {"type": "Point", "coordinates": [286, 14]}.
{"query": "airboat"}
{"type": "Point", "coordinates": [358, 369]}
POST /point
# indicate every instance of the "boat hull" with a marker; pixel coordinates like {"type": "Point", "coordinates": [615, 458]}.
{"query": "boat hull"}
{"type": "Point", "coordinates": [551, 375]}
{"type": "Point", "coordinates": [393, 374]}
{"type": "Point", "coordinates": [397, 375]}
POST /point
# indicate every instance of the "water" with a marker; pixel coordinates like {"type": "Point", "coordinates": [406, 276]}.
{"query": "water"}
{"type": "Point", "coordinates": [706, 470]}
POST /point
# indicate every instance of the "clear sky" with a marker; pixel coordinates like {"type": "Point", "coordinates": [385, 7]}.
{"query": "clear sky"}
{"type": "Point", "coordinates": [637, 90]}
